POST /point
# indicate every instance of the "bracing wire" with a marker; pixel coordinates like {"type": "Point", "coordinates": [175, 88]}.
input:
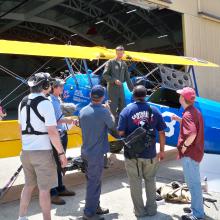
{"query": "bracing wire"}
{"type": "Point", "coordinates": [25, 82]}
{"type": "Point", "coordinates": [15, 98]}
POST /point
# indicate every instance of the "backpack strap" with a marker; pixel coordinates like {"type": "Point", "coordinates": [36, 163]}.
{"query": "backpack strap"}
{"type": "Point", "coordinates": [32, 104]}
{"type": "Point", "coordinates": [23, 102]}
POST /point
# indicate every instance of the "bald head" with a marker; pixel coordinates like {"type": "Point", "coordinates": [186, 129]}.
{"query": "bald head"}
{"type": "Point", "coordinates": [139, 92]}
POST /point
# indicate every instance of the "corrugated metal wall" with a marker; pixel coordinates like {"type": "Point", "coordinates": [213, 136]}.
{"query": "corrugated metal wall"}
{"type": "Point", "coordinates": [202, 40]}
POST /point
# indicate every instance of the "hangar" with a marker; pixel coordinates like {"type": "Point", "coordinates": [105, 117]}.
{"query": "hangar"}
{"type": "Point", "coordinates": [189, 28]}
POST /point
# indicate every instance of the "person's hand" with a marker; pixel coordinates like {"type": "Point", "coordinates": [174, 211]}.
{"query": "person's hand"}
{"type": "Point", "coordinates": [118, 82]}
{"type": "Point", "coordinates": [76, 122]}
{"type": "Point", "coordinates": [183, 149]}
{"type": "Point", "coordinates": [161, 155]}
{"type": "Point", "coordinates": [107, 104]}
{"type": "Point", "coordinates": [175, 118]}
{"type": "Point", "coordinates": [63, 160]}
{"type": "Point", "coordinates": [69, 121]}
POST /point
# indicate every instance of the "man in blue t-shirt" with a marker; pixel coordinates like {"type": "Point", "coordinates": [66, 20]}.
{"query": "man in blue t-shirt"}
{"type": "Point", "coordinates": [145, 165]}
{"type": "Point", "coordinates": [95, 120]}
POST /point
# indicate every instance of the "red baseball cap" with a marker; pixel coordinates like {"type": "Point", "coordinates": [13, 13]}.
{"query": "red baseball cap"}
{"type": "Point", "coordinates": [188, 93]}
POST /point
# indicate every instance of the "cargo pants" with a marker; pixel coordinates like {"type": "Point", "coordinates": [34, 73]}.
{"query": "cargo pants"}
{"type": "Point", "coordinates": [138, 170]}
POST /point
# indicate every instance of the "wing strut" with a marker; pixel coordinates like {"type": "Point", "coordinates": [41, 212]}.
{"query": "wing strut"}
{"type": "Point", "coordinates": [191, 68]}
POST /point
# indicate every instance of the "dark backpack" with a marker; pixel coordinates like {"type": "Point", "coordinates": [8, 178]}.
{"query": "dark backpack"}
{"type": "Point", "coordinates": [140, 139]}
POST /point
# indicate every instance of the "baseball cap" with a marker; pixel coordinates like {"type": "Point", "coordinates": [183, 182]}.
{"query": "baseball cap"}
{"type": "Point", "coordinates": [188, 93]}
{"type": "Point", "coordinates": [120, 47]}
{"type": "Point", "coordinates": [58, 82]}
{"type": "Point", "coordinates": [38, 78]}
{"type": "Point", "coordinates": [97, 92]}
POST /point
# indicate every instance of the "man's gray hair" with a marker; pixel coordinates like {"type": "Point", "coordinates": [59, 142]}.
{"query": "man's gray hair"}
{"type": "Point", "coordinates": [36, 89]}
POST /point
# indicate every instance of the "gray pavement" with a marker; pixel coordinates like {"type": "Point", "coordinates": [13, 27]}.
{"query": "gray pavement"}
{"type": "Point", "coordinates": [115, 196]}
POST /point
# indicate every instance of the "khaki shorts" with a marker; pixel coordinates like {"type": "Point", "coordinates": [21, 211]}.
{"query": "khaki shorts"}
{"type": "Point", "coordinates": [39, 169]}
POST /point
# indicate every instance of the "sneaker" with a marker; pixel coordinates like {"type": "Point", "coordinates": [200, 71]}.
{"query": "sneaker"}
{"type": "Point", "coordinates": [102, 211]}
{"type": "Point", "coordinates": [187, 210]}
{"type": "Point", "coordinates": [67, 192]}
{"type": "Point", "coordinates": [56, 200]}
{"type": "Point", "coordinates": [190, 217]}
{"type": "Point", "coordinates": [95, 217]}
{"type": "Point", "coordinates": [161, 202]}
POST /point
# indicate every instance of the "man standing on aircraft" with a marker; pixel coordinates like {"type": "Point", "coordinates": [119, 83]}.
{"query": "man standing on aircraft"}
{"type": "Point", "coordinates": [38, 129]}
{"type": "Point", "coordinates": [115, 73]}
{"type": "Point", "coordinates": [95, 120]}
{"type": "Point", "coordinates": [56, 92]}
{"type": "Point", "coordinates": [144, 165]}
{"type": "Point", "coordinates": [191, 150]}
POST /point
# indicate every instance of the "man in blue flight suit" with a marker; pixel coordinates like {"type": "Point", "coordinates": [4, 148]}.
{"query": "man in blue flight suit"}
{"type": "Point", "coordinates": [95, 120]}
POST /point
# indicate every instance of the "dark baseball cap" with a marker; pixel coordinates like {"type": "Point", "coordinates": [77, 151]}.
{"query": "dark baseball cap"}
{"type": "Point", "coordinates": [97, 92]}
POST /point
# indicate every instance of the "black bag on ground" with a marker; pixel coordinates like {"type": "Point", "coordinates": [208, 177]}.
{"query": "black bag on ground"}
{"type": "Point", "coordinates": [140, 139]}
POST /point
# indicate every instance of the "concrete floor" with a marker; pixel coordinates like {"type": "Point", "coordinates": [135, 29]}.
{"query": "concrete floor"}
{"type": "Point", "coordinates": [115, 196]}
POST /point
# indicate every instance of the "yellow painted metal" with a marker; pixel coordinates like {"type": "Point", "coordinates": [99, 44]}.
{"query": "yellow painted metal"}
{"type": "Point", "coordinates": [10, 143]}
{"type": "Point", "coordinates": [91, 53]}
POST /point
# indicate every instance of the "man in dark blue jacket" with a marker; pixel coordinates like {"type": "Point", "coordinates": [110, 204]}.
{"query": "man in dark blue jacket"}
{"type": "Point", "coordinates": [145, 165]}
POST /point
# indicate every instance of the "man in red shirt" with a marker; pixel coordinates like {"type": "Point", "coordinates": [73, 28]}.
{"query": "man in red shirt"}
{"type": "Point", "coordinates": [191, 149]}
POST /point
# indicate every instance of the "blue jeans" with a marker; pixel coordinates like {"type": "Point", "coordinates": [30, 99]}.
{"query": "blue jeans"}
{"type": "Point", "coordinates": [192, 178]}
{"type": "Point", "coordinates": [60, 188]}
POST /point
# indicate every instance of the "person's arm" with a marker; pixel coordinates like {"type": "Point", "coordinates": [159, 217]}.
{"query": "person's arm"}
{"type": "Point", "coordinates": [47, 111]}
{"type": "Point", "coordinates": [160, 126]}
{"type": "Point", "coordinates": [128, 79]}
{"type": "Point", "coordinates": [108, 117]}
{"type": "Point", "coordinates": [122, 123]}
{"type": "Point", "coordinates": [162, 140]}
{"type": "Point", "coordinates": [107, 73]}
{"type": "Point", "coordinates": [66, 121]}
{"type": "Point", "coordinates": [55, 140]}
{"type": "Point", "coordinates": [176, 118]}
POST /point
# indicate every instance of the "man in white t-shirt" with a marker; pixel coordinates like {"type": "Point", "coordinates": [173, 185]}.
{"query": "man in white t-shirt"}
{"type": "Point", "coordinates": [38, 130]}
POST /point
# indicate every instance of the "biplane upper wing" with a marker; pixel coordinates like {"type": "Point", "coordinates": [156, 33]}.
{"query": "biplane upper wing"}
{"type": "Point", "coordinates": [91, 53]}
